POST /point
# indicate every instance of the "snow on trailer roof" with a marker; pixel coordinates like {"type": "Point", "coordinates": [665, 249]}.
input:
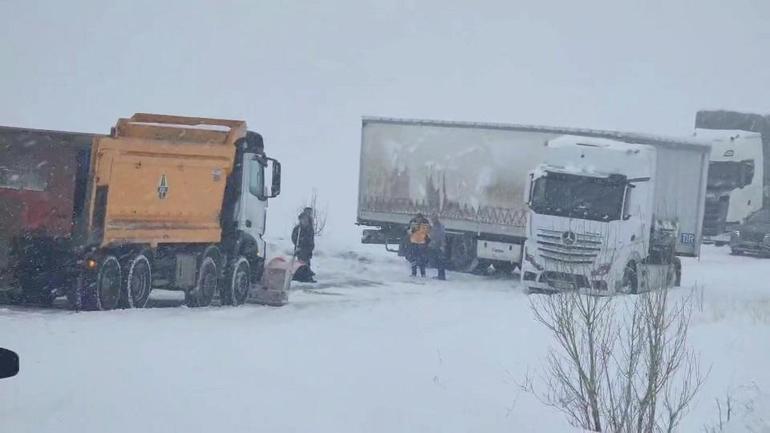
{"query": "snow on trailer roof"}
{"type": "Point", "coordinates": [15, 136]}
{"type": "Point", "coordinates": [628, 137]}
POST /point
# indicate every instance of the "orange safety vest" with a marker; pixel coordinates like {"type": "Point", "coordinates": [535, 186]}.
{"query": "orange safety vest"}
{"type": "Point", "coordinates": [420, 234]}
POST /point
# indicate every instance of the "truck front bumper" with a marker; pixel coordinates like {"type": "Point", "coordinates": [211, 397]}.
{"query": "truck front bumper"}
{"type": "Point", "coordinates": [720, 239]}
{"type": "Point", "coordinates": [749, 247]}
{"type": "Point", "coordinates": [551, 282]}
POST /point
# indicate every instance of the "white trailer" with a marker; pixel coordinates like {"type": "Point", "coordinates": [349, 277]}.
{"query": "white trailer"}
{"type": "Point", "coordinates": [611, 216]}
{"type": "Point", "coordinates": [474, 175]}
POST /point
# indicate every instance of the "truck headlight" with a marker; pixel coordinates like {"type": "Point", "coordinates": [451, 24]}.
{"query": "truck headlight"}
{"type": "Point", "coordinates": [766, 239]}
{"type": "Point", "coordinates": [736, 234]}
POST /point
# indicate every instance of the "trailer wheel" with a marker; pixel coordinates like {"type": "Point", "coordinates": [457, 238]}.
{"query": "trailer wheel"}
{"type": "Point", "coordinates": [462, 253]}
{"type": "Point", "coordinates": [677, 272]}
{"type": "Point", "coordinates": [138, 283]}
{"type": "Point", "coordinates": [103, 293]}
{"type": "Point", "coordinates": [204, 291]}
{"type": "Point", "coordinates": [630, 283]}
{"type": "Point", "coordinates": [237, 284]}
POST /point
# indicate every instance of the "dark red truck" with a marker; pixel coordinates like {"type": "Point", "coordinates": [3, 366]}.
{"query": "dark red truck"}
{"type": "Point", "coordinates": [43, 176]}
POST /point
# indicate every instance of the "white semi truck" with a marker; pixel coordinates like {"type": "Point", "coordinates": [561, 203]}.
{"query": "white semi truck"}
{"type": "Point", "coordinates": [608, 216]}
{"type": "Point", "coordinates": [474, 175]}
{"type": "Point", "coordinates": [735, 181]}
{"type": "Point", "coordinates": [739, 176]}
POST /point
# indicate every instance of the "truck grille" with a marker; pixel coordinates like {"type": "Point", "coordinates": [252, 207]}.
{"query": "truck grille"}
{"type": "Point", "coordinates": [557, 247]}
{"type": "Point", "coordinates": [564, 281]}
{"type": "Point", "coordinates": [714, 216]}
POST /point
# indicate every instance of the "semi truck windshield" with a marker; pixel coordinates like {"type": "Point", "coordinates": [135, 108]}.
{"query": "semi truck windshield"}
{"type": "Point", "coordinates": [729, 175]}
{"type": "Point", "coordinates": [581, 197]}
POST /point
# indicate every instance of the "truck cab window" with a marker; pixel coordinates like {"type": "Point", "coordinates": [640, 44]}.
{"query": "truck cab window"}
{"type": "Point", "coordinates": [257, 179]}
{"type": "Point", "coordinates": [23, 178]}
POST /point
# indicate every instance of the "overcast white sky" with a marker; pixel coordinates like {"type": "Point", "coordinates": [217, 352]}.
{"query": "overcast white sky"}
{"type": "Point", "coordinates": [302, 73]}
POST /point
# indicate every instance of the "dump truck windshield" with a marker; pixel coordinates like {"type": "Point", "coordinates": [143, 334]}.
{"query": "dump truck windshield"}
{"type": "Point", "coordinates": [257, 178]}
{"type": "Point", "coordinates": [584, 197]}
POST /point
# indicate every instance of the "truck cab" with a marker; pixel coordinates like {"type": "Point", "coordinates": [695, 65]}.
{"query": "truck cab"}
{"type": "Point", "coordinates": [735, 181]}
{"type": "Point", "coordinates": [590, 216]}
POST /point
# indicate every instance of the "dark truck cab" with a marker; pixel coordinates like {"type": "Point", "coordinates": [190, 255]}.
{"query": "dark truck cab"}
{"type": "Point", "coordinates": [753, 236]}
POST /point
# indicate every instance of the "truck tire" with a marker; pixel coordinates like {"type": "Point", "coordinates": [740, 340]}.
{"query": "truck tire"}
{"type": "Point", "coordinates": [237, 283]}
{"type": "Point", "coordinates": [630, 283]}
{"type": "Point", "coordinates": [203, 293]}
{"type": "Point", "coordinates": [103, 292]}
{"type": "Point", "coordinates": [677, 272]}
{"type": "Point", "coordinates": [462, 254]}
{"type": "Point", "coordinates": [138, 282]}
{"type": "Point", "coordinates": [505, 268]}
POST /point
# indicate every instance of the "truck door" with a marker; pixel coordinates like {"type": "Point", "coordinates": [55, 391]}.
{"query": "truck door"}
{"type": "Point", "coordinates": [253, 206]}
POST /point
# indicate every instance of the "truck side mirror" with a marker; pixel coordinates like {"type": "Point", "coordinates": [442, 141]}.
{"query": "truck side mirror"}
{"type": "Point", "coordinates": [747, 172]}
{"type": "Point", "coordinates": [275, 187]}
{"type": "Point", "coordinates": [529, 187]}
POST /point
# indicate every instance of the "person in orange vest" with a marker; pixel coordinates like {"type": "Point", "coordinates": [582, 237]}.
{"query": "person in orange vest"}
{"type": "Point", "coordinates": [419, 237]}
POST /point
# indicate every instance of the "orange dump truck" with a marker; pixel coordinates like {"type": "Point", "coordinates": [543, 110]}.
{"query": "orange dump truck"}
{"type": "Point", "coordinates": [162, 202]}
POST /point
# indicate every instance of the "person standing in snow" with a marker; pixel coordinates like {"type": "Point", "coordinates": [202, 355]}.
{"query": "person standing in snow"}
{"type": "Point", "coordinates": [303, 238]}
{"type": "Point", "coordinates": [437, 246]}
{"type": "Point", "coordinates": [419, 237]}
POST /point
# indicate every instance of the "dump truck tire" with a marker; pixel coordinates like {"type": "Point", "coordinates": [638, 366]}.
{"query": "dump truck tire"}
{"type": "Point", "coordinates": [138, 282]}
{"type": "Point", "coordinates": [206, 288]}
{"type": "Point", "coordinates": [237, 282]}
{"type": "Point", "coordinates": [103, 292]}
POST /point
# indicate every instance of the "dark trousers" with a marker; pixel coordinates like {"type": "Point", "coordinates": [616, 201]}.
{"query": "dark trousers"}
{"type": "Point", "coordinates": [439, 261]}
{"type": "Point", "coordinates": [418, 258]}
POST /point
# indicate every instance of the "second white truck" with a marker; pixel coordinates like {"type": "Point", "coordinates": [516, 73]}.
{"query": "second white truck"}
{"type": "Point", "coordinates": [610, 216]}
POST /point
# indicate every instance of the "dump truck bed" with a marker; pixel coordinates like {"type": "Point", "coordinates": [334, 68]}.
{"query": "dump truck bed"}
{"type": "Point", "coordinates": [161, 179]}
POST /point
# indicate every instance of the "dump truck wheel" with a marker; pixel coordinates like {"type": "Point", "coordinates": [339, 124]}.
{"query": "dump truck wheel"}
{"type": "Point", "coordinates": [138, 282]}
{"type": "Point", "coordinates": [103, 293]}
{"type": "Point", "coordinates": [237, 284]}
{"type": "Point", "coordinates": [203, 293]}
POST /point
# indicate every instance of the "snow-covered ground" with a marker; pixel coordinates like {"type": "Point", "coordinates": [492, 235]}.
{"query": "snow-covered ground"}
{"type": "Point", "coordinates": [366, 350]}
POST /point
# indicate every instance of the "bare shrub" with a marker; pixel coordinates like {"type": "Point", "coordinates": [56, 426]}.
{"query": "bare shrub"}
{"type": "Point", "coordinates": [619, 365]}
{"type": "Point", "coordinates": [319, 213]}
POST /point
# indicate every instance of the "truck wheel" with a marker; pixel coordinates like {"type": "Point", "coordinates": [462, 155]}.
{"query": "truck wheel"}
{"type": "Point", "coordinates": [237, 284]}
{"type": "Point", "coordinates": [103, 293]}
{"type": "Point", "coordinates": [462, 254]}
{"type": "Point", "coordinates": [138, 283]}
{"type": "Point", "coordinates": [203, 293]}
{"type": "Point", "coordinates": [720, 243]}
{"type": "Point", "coordinates": [630, 283]}
{"type": "Point", "coordinates": [503, 267]}
{"type": "Point", "coordinates": [677, 272]}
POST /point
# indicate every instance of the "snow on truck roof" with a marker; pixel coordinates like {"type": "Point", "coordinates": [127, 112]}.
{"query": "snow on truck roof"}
{"type": "Point", "coordinates": [605, 143]}
{"type": "Point", "coordinates": [627, 137]}
{"type": "Point", "coordinates": [724, 134]}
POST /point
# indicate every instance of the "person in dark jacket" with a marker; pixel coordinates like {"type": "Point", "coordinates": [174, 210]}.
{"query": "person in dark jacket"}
{"type": "Point", "coordinates": [437, 246]}
{"type": "Point", "coordinates": [419, 237]}
{"type": "Point", "coordinates": [303, 238]}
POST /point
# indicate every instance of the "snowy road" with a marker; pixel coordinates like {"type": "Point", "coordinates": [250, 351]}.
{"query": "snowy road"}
{"type": "Point", "coordinates": [368, 349]}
